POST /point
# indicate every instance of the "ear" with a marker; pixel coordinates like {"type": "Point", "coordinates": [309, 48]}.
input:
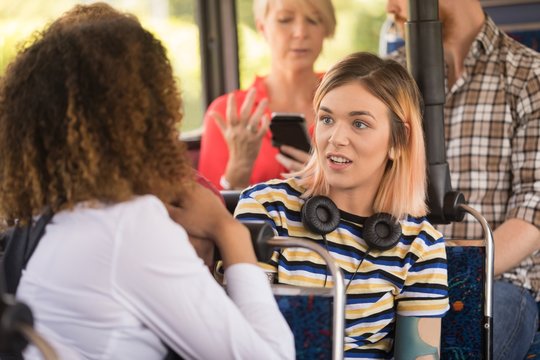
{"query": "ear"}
{"type": "Point", "coordinates": [407, 130]}
{"type": "Point", "coordinates": [260, 27]}
{"type": "Point", "coordinates": [391, 153]}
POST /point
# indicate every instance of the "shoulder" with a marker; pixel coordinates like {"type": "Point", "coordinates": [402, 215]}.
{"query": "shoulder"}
{"type": "Point", "coordinates": [521, 63]}
{"type": "Point", "coordinates": [143, 204]}
{"type": "Point", "coordinates": [274, 196]}
{"type": "Point", "coordinates": [420, 228]}
{"type": "Point", "coordinates": [274, 188]}
{"type": "Point", "coordinates": [144, 214]}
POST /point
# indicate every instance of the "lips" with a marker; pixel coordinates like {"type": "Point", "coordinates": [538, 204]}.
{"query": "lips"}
{"type": "Point", "coordinates": [300, 51]}
{"type": "Point", "coordinates": [336, 159]}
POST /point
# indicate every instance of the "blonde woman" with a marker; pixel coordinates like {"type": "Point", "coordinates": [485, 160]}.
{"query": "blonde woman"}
{"type": "Point", "coordinates": [368, 158]}
{"type": "Point", "coordinates": [236, 146]}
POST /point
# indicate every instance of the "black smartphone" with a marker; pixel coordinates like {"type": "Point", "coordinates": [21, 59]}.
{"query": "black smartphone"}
{"type": "Point", "coordinates": [290, 129]}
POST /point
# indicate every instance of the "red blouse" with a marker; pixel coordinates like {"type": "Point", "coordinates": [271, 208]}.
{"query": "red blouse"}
{"type": "Point", "coordinates": [214, 153]}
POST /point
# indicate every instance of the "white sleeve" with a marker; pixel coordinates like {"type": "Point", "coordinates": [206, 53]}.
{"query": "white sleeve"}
{"type": "Point", "coordinates": [159, 277]}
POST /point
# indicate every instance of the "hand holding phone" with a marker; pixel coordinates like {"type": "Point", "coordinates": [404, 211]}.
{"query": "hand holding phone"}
{"type": "Point", "coordinates": [290, 129]}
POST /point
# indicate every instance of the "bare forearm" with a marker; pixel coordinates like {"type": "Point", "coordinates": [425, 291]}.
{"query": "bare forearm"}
{"type": "Point", "coordinates": [238, 173]}
{"type": "Point", "coordinates": [515, 240]}
{"type": "Point", "coordinates": [234, 244]}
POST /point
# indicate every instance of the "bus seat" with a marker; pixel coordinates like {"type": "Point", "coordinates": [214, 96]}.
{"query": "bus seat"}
{"type": "Point", "coordinates": [310, 316]}
{"type": "Point", "coordinates": [231, 199]}
{"type": "Point", "coordinates": [316, 316]}
{"type": "Point", "coordinates": [462, 327]}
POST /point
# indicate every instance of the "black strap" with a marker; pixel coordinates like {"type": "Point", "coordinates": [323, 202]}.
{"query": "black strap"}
{"type": "Point", "coordinates": [21, 244]}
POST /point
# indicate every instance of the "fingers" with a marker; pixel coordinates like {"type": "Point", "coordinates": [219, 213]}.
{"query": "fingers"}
{"type": "Point", "coordinates": [247, 106]}
{"type": "Point", "coordinates": [297, 154]}
{"type": "Point", "coordinates": [219, 121]}
{"type": "Point", "coordinates": [256, 117]}
{"type": "Point", "coordinates": [232, 109]}
{"type": "Point", "coordinates": [290, 164]}
{"type": "Point", "coordinates": [265, 123]}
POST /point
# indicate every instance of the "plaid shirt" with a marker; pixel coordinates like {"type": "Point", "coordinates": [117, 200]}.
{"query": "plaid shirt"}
{"type": "Point", "coordinates": [492, 131]}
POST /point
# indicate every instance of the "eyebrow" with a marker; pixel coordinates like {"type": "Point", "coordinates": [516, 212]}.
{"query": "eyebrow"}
{"type": "Point", "coordinates": [352, 113]}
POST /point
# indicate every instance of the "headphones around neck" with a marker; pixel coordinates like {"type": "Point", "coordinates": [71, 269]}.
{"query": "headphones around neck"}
{"type": "Point", "coordinates": [381, 232]}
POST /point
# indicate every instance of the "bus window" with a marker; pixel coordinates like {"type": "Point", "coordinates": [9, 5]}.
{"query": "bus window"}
{"type": "Point", "coordinates": [358, 26]}
{"type": "Point", "coordinates": [171, 21]}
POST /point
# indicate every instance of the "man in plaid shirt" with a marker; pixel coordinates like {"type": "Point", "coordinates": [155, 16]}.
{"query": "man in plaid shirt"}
{"type": "Point", "coordinates": [492, 131]}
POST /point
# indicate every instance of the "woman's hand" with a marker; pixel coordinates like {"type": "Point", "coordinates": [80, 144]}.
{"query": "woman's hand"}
{"type": "Point", "coordinates": [243, 131]}
{"type": "Point", "coordinates": [209, 223]}
{"type": "Point", "coordinates": [201, 213]}
{"type": "Point", "coordinates": [297, 160]}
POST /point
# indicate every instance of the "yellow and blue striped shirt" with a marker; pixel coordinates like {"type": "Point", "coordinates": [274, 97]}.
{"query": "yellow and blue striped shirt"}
{"type": "Point", "coordinates": [410, 279]}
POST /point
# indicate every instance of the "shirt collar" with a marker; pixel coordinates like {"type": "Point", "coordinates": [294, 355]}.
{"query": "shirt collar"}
{"type": "Point", "coordinates": [485, 41]}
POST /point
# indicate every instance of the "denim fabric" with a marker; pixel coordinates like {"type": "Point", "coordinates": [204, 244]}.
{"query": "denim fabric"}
{"type": "Point", "coordinates": [515, 321]}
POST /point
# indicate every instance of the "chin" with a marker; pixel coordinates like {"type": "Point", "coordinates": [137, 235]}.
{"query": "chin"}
{"type": "Point", "coordinates": [302, 63]}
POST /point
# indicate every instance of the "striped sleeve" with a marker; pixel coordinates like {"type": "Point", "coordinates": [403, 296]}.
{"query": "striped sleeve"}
{"type": "Point", "coordinates": [425, 291]}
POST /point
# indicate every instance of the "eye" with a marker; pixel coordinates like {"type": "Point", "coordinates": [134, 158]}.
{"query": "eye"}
{"type": "Point", "coordinates": [284, 20]}
{"type": "Point", "coordinates": [326, 120]}
{"type": "Point", "coordinates": [359, 124]}
{"type": "Point", "coordinates": [313, 20]}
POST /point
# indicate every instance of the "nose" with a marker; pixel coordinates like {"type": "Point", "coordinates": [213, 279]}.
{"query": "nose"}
{"type": "Point", "coordinates": [300, 28]}
{"type": "Point", "coordinates": [339, 135]}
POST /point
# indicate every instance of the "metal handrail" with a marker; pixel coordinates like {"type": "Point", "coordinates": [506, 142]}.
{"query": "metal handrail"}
{"type": "Point", "coordinates": [338, 321]}
{"type": "Point", "coordinates": [489, 275]}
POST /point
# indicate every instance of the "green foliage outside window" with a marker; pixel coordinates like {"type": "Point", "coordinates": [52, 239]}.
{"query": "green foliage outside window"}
{"type": "Point", "coordinates": [171, 21]}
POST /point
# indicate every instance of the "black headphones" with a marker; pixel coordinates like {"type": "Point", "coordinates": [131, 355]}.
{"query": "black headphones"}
{"type": "Point", "coordinates": [320, 215]}
{"type": "Point", "coordinates": [381, 232]}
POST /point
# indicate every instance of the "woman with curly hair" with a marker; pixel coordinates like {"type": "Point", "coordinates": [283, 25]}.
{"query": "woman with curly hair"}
{"type": "Point", "coordinates": [88, 119]}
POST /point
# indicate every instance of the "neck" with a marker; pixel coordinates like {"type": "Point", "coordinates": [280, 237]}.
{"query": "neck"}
{"type": "Point", "coordinates": [354, 201]}
{"type": "Point", "coordinates": [459, 33]}
{"type": "Point", "coordinates": [291, 91]}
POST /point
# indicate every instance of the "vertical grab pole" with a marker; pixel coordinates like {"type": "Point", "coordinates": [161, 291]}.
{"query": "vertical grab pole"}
{"type": "Point", "coordinates": [425, 61]}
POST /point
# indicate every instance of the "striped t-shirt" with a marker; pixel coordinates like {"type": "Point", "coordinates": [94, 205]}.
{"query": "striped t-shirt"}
{"type": "Point", "coordinates": [409, 279]}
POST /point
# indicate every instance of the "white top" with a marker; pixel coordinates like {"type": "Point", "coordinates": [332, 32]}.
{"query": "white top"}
{"type": "Point", "coordinates": [113, 282]}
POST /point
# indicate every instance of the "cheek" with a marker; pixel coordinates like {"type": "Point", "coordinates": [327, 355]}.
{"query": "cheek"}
{"type": "Point", "coordinates": [320, 137]}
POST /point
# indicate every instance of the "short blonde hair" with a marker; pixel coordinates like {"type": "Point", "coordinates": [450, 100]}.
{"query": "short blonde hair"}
{"type": "Point", "coordinates": [403, 187]}
{"type": "Point", "coordinates": [323, 7]}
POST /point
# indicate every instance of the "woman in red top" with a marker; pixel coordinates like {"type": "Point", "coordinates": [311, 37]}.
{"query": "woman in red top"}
{"type": "Point", "coordinates": [236, 146]}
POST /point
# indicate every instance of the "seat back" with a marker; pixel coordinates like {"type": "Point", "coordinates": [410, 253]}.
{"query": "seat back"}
{"type": "Point", "coordinates": [462, 335]}
{"type": "Point", "coordinates": [309, 313]}
{"type": "Point", "coordinates": [231, 199]}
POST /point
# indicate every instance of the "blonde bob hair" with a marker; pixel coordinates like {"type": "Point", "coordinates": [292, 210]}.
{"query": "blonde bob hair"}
{"type": "Point", "coordinates": [402, 190]}
{"type": "Point", "coordinates": [324, 9]}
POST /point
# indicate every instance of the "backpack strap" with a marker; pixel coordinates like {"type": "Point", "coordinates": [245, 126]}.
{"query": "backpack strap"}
{"type": "Point", "coordinates": [36, 233]}
{"type": "Point", "coordinates": [21, 244]}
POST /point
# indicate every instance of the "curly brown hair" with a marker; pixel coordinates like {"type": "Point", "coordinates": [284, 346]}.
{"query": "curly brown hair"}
{"type": "Point", "coordinates": [89, 112]}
